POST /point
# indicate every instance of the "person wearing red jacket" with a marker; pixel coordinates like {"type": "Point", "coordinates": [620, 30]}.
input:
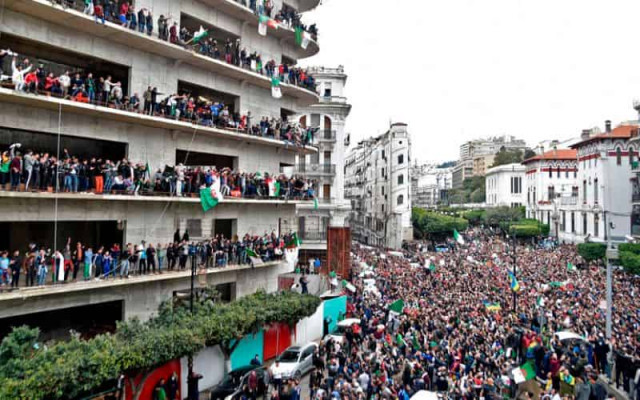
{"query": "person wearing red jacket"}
{"type": "Point", "coordinates": [31, 81]}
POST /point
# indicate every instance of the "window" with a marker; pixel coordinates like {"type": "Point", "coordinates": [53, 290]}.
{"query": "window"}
{"type": "Point", "coordinates": [584, 223]}
{"type": "Point", "coordinates": [528, 197]}
{"type": "Point", "coordinates": [400, 179]}
{"type": "Point", "coordinates": [384, 157]}
{"type": "Point", "coordinates": [534, 195]}
{"type": "Point", "coordinates": [382, 172]}
{"type": "Point", "coordinates": [584, 191]}
{"type": "Point", "coordinates": [596, 225]}
{"type": "Point", "coordinates": [573, 222]}
{"type": "Point", "coordinates": [400, 199]}
{"type": "Point", "coordinates": [548, 217]}
{"type": "Point", "coordinates": [564, 221]}
{"type": "Point", "coordinates": [382, 190]}
{"type": "Point", "coordinates": [194, 226]}
{"type": "Point", "coordinates": [550, 173]}
{"type": "Point", "coordinates": [552, 193]}
{"type": "Point", "coordinates": [566, 173]}
{"type": "Point", "coordinates": [618, 156]}
{"type": "Point", "coordinates": [575, 173]}
{"type": "Point", "coordinates": [327, 89]}
{"type": "Point", "coordinates": [631, 156]}
{"type": "Point", "coordinates": [382, 208]}
{"type": "Point", "coordinates": [401, 159]}
{"type": "Point", "coordinates": [558, 172]}
{"type": "Point", "coordinates": [516, 185]}
{"type": "Point", "coordinates": [595, 191]}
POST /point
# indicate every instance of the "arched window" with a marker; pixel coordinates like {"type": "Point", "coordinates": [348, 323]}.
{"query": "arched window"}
{"type": "Point", "coordinates": [631, 156]}
{"type": "Point", "coordinates": [400, 179]}
{"type": "Point", "coordinates": [400, 199]}
{"type": "Point", "coordinates": [618, 156]}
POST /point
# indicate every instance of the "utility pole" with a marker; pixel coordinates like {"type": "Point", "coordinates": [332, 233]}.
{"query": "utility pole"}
{"type": "Point", "coordinates": [515, 248]}
{"type": "Point", "coordinates": [610, 254]}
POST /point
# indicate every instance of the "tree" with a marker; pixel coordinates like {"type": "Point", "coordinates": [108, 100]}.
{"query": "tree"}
{"type": "Point", "coordinates": [505, 156]}
{"type": "Point", "coordinates": [63, 370]}
{"type": "Point", "coordinates": [429, 224]}
{"type": "Point", "coordinates": [592, 251]}
{"type": "Point", "coordinates": [502, 216]}
{"type": "Point", "coordinates": [475, 217]}
{"type": "Point", "coordinates": [478, 195]}
{"type": "Point", "coordinates": [528, 153]}
{"type": "Point", "coordinates": [447, 164]}
{"type": "Point", "coordinates": [630, 257]}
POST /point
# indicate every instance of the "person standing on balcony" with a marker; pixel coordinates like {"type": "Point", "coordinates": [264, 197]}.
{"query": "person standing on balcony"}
{"type": "Point", "coordinates": [88, 259]}
{"type": "Point", "coordinates": [17, 74]}
{"type": "Point", "coordinates": [41, 265]}
{"type": "Point", "coordinates": [149, 22]}
{"type": "Point", "coordinates": [16, 266]}
{"type": "Point", "coordinates": [28, 168]}
{"type": "Point", "coordinates": [77, 260]}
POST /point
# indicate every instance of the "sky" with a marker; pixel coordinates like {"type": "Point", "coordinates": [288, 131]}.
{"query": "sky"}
{"type": "Point", "coordinates": [457, 70]}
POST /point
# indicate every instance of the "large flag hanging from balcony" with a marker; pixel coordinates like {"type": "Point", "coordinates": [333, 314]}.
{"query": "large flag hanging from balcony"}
{"type": "Point", "coordinates": [201, 34]}
{"type": "Point", "coordinates": [262, 25]}
{"type": "Point", "coordinates": [299, 36]}
{"type": "Point", "coordinates": [276, 92]}
{"type": "Point", "coordinates": [210, 197]}
{"type": "Point", "coordinates": [294, 242]}
{"type": "Point", "coordinates": [274, 187]}
{"type": "Point", "coordinates": [306, 38]}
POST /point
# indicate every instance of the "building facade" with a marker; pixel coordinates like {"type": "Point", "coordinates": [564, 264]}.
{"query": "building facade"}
{"type": "Point", "coordinates": [429, 185]}
{"type": "Point", "coordinates": [60, 39]}
{"type": "Point", "coordinates": [378, 184]}
{"type": "Point", "coordinates": [605, 184]}
{"type": "Point", "coordinates": [504, 186]}
{"type": "Point", "coordinates": [550, 184]}
{"type": "Point", "coordinates": [326, 165]}
{"type": "Point", "coordinates": [482, 163]}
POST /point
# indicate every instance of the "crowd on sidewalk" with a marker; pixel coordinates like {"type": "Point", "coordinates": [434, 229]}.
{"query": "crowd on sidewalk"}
{"type": "Point", "coordinates": [84, 262]}
{"type": "Point", "coordinates": [33, 171]}
{"type": "Point", "coordinates": [445, 322]}
{"type": "Point", "coordinates": [183, 106]}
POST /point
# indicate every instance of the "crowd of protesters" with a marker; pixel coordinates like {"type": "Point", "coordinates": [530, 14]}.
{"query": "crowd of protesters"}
{"type": "Point", "coordinates": [84, 262]}
{"type": "Point", "coordinates": [34, 172]}
{"type": "Point", "coordinates": [457, 332]}
{"type": "Point", "coordinates": [183, 106]}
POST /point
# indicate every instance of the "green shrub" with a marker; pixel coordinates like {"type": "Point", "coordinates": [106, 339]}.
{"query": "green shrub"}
{"type": "Point", "coordinates": [592, 251]}
{"type": "Point", "coordinates": [630, 247]}
{"type": "Point", "coordinates": [630, 261]}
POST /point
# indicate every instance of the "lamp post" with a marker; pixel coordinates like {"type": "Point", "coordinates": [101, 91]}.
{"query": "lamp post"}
{"type": "Point", "coordinates": [193, 276]}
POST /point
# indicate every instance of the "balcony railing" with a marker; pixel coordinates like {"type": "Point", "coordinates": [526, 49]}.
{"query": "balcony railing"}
{"type": "Point", "coordinates": [333, 99]}
{"type": "Point", "coordinates": [314, 235]}
{"type": "Point", "coordinates": [313, 169]}
{"type": "Point", "coordinates": [569, 201]}
{"type": "Point", "coordinates": [326, 136]}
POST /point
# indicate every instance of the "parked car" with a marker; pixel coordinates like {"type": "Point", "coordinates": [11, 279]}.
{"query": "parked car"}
{"type": "Point", "coordinates": [293, 362]}
{"type": "Point", "coordinates": [231, 386]}
{"type": "Point", "coordinates": [338, 334]}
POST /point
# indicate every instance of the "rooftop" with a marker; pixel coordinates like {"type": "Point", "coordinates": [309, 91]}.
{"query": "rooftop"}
{"type": "Point", "coordinates": [558, 154]}
{"type": "Point", "coordinates": [620, 132]}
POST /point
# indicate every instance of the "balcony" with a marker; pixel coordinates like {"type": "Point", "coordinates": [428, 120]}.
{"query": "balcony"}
{"type": "Point", "coordinates": [313, 236]}
{"type": "Point", "coordinates": [635, 198]}
{"type": "Point", "coordinates": [56, 104]}
{"type": "Point", "coordinates": [74, 19]}
{"type": "Point", "coordinates": [307, 5]}
{"type": "Point", "coordinates": [333, 99]}
{"type": "Point", "coordinates": [326, 136]}
{"type": "Point", "coordinates": [569, 201]}
{"type": "Point", "coordinates": [315, 169]}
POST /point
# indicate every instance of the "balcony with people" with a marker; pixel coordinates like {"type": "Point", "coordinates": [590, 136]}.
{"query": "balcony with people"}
{"type": "Point", "coordinates": [61, 80]}
{"type": "Point", "coordinates": [163, 36]}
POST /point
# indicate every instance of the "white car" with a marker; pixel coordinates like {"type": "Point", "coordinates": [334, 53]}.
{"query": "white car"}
{"type": "Point", "coordinates": [294, 362]}
{"type": "Point", "coordinates": [338, 334]}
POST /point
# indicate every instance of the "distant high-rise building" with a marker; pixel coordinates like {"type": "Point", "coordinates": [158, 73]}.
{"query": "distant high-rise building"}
{"type": "Point", "coordinates": [429, 185]}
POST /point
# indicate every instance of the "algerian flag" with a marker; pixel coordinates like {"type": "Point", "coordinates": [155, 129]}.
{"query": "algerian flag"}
{"type": "Point", "coordinates": [524, 373]}
{"type": "Point", "coordinates": [540, 301]}
{"type": "Point", "coordinates": [256, 260]}
{"type": "Point", "coordinates": [251, 253]}
{"type": "Point", "coordinates": [306, 38]}
{"type": "Point", "coordinates": [253, 65]}
{"type": "Point", "coordinates": [458, 237]}
{"type": "Point", "coordinates": [274, 188]}
{"type": "Point", "coordinates": [201, 34]}
{"type": "Point", "coordinates": [432, 267]}
{"type": "Point", "coordinates": [298, 35]}
{"type": "Point", "coordinates": [315, 203]}
{"type": "Point", "coordinates": [262, 25]}
{"type": "Point", "coordinates": [571, 267]}
{"type": "Point", "coordinates": [291, 255]}
{"type": "Point", "coordinates": [348, 286]}
{"type": "Point", "coordinates": [294, 242]}
{"type": "Point", "coordinates": [209, 198]}
{"type": "Point", "coordinates": [276, 93]}
{"type": "Point", "coordinates": [397, 306]}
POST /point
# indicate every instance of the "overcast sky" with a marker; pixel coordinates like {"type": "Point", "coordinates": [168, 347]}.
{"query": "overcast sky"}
{"type": "Point", "coordinates": [456, 70]}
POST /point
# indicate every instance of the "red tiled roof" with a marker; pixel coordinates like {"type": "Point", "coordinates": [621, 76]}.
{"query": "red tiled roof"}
{"type": "Point", "coordinates": [620, 132]}
{"type": "Point", "coordinates": [560, 154]}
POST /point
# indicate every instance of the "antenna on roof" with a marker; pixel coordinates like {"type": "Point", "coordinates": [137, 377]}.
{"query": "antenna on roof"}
{"type": "Point", "coordinates": [636, 106]}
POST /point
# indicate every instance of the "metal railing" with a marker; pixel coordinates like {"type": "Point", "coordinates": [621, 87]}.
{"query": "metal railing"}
{"type": "Point", "coordinates": [315, 169]}
{"type": "Point", "coordinates": [569, 201]}
{"type": "Point", "coordinates": [314, 235]}
{"type": "Point", "coordinates": [326, 136]}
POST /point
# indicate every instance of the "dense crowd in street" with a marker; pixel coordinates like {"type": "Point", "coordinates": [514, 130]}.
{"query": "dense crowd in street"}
{"type": "Point", "coordinates": [33, 171]}
{"type": "Point", "coordinates": [457, 333]}
{"type": "Point", "coordinates": [38, 266]}
{"type": "Point", "coordinates": [183, 106]}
